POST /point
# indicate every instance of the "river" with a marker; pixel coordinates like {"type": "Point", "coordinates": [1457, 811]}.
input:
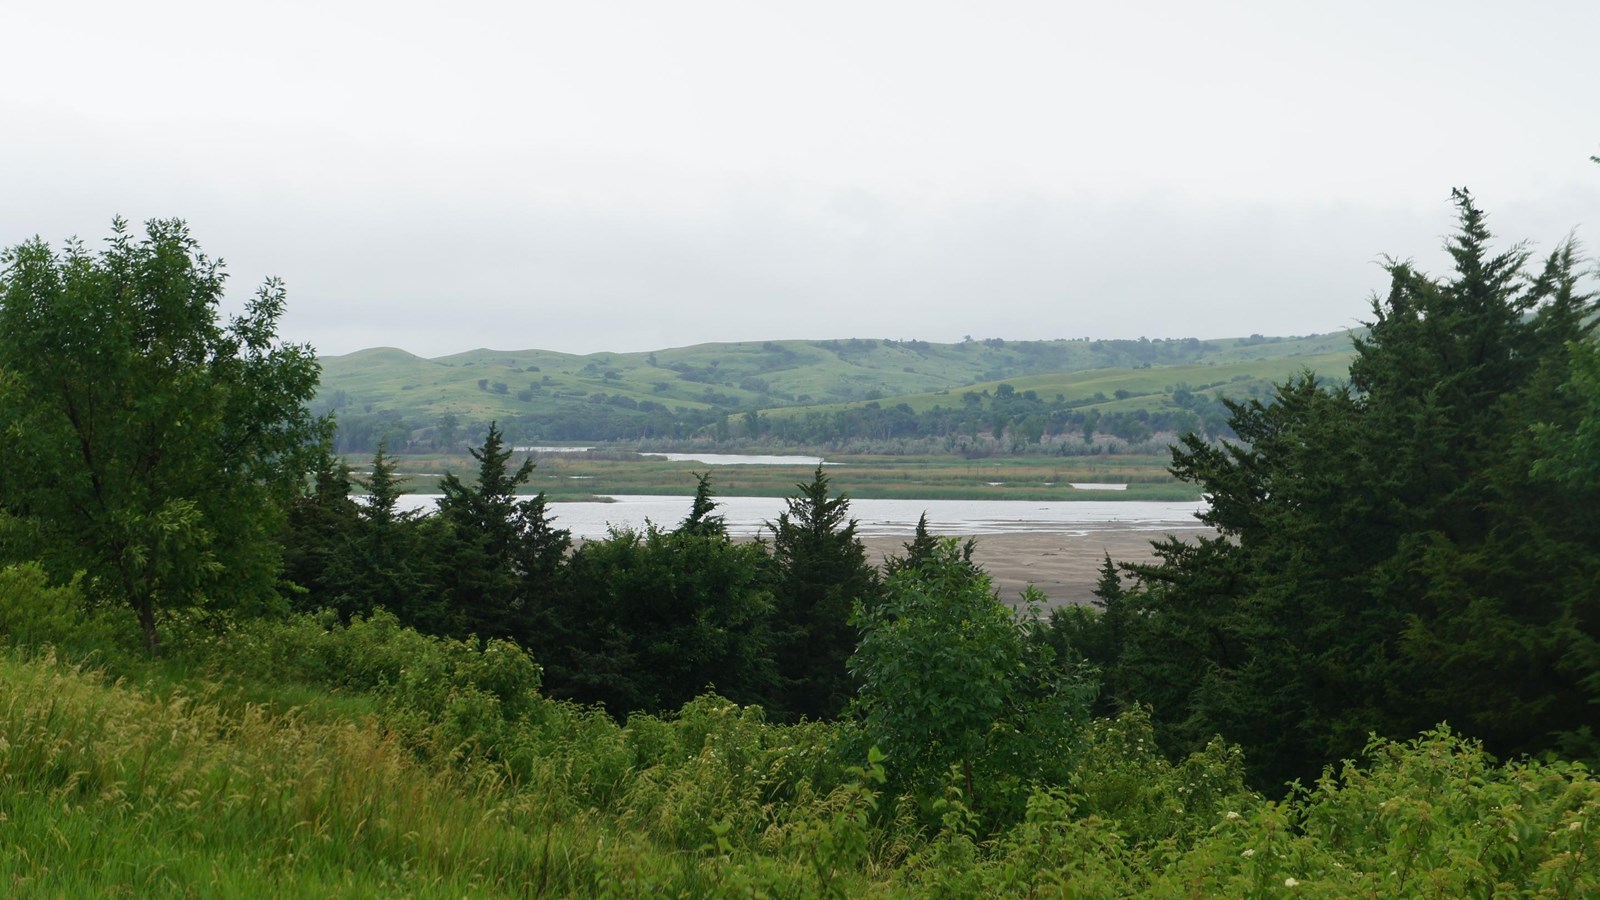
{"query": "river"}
{"type": "Point", "coordinates": [747, 516]}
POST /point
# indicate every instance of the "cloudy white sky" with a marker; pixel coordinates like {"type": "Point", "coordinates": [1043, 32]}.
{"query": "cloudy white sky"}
{"type": "Point", "coordinates": [627, 176]}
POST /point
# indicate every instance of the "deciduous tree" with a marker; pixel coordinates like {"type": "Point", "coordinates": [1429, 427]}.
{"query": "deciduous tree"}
{"type": "Point", "coordinates": [148, 442]}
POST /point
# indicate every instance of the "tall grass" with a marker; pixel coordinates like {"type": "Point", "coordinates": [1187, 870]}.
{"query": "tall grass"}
{"type": "Point", "coordinates": [107, 789]}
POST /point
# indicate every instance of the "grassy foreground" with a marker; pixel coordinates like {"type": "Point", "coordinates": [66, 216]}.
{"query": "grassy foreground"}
{"type": "Point", "coordinates": [304, 758]}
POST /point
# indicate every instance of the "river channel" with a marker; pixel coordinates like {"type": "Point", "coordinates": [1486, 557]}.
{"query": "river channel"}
{"type": "Point", "coordinates": [748, 516]}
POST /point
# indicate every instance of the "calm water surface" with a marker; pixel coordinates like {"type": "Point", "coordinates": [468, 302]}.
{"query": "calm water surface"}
{"type": "Point", "coordinates": [710, 459]}
{"type": "Point", "coordinates": [748, 515]}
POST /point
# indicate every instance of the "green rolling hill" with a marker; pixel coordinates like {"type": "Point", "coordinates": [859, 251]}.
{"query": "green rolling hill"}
{"type": "Point", "coordinates": [545, 395]}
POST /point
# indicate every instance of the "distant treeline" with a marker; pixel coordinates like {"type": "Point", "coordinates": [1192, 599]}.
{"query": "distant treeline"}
{"type": "Point", "coordinates": [1019, 421]}
{"type": "Point", "coordinates": [599, 417]}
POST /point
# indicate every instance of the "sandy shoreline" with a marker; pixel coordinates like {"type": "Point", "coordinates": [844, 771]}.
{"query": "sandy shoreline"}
{"type": "Point", "coordinates": [1064, 566]}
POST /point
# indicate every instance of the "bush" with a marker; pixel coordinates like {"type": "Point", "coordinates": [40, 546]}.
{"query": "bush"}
{"type": "Point", "coordinates": [34, 613]}
{"type": "Point", "coordinates": [450, 692]}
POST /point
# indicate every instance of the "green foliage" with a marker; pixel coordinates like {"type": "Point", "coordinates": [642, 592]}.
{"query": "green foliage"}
{"type": "Point", "coordinates": [937, 659]}
{"type": "Point", "coordinates": [498, 556]}
{"type": "Point", "coordinates": [112, 790]}
{"type": "Point", "coordinates": [949, 679]}
{"type": "Point", "coordinates": [1121, 774]}
{"type": "Point", "coordinates": [387, 783]}
{"type": "Point", "coordinates": [448, 691]}
{"type": "Point", "coordinates": [644, 622]}
{"type": "Point", "coordinates": [1571, 454]}
{"type": "Point", "coordinates": [35, 613]}
{"type": "Point", "coordinates": [822, 570]}
{"type": "Point", "coordinates": [1393, 553]}
{"type": "Point", "coordinates": [150, 445]}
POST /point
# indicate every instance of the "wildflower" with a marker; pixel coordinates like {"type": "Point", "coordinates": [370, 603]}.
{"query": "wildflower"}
{"type": "Point", "coordinates": [1291, 882]}
{"type": "Point", "coordinates": [1575, 825]}
{"type": "Point", "coordinates": [1248, 853]}
{"type": "Point", "coordinates": [1233, 815]}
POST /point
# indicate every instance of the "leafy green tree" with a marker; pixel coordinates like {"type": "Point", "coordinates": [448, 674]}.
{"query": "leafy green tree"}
{"type": "Point", "coordinates": [822, 570]}
{"type": "Point", "coordinates": [149, 444]}
{"type": "Point", "coordinates": [949, 678]}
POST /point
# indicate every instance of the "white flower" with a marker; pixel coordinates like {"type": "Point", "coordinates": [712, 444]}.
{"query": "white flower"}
{"type": "Point", "coordinates": [1248, 853]}
{"type": "Point", "coordinates": [1233, 815]}
{"type": "Point", "coordinates": [1291, 882]}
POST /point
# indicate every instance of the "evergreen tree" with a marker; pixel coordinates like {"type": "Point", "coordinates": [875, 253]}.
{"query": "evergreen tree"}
{"type": "Point", "coordinates": [496, 555]}
{"type": "Point", "coordinates": [317, 534]}
{"type": "Point", "coordinates": [700, 519]}
{"type": "Point", "coordinates": [821, 570]}
{"type": "Point", "coordinates": [920, 549]}
{"type": "Point", "coordinates": [389, 566]}
{"type": "Point", "coordinates": [647, 621]}
{"type": "Point", "coordinates": [1387, 559]}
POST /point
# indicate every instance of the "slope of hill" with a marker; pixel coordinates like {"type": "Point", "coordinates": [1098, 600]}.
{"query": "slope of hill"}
{"type": "Point", "coordinates": [1121, 389]}
{"type": "Point", "coordinates": [547, 395]}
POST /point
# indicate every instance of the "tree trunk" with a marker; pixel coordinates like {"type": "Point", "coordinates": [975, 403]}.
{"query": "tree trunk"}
{"type": "Point", "coordinates": [146, 610]}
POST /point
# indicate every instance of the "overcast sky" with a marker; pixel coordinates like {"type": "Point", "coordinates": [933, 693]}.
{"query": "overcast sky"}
{"type": "Point", "coordinates": [588, 176]}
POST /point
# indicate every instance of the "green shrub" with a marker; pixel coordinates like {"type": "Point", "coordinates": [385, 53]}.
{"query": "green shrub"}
{"type": "Point", "coordinates": [445, 692]}
{"type": "Point", "coordinates": [1121, 776]}
{"type": "Point", "coordinates": [35, 613]}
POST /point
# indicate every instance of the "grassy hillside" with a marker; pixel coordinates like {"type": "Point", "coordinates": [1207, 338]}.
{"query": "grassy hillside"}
{"type": "Point", "coordinates": [565, 396]}
{"type": "Point", "coordinates": [1118, 389]}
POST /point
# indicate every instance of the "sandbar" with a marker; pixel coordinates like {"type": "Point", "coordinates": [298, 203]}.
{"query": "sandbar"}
{"type": "Point", "coordinates": [1065, 567]}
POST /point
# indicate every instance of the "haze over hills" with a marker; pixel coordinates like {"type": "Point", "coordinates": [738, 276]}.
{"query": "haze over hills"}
{"type": "Point", "coordinates": [676, 392]}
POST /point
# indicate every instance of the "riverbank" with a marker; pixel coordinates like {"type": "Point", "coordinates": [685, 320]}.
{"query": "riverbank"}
{"type": "Point", "coordinates": [1057, 547]}
{"type": "Point", "coordinates": [588, 475]}
{"type": "Point", "coordinates": [1063, 566]}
